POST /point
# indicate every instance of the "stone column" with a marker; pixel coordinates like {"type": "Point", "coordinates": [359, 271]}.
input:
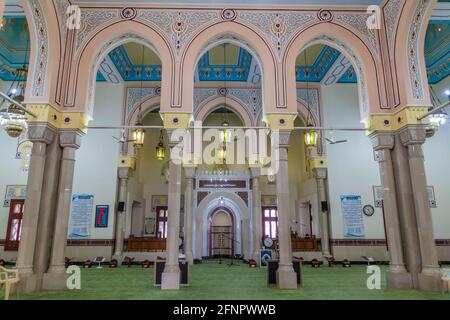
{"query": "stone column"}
{"type": "Point", "coordinates": [47, 212]}
{"type": "Point", "coordinates": [286, 277]}
{"type": "Point", "coordinates": [429, 277]}
{"type": "Point", "coordinates": [70, 141]}
{"type": "Point", "coordinates": [397, 275]}
{"type": "Point", "coordinates": [123, 174]}
{"type": "Point", "coordinates": [321, 174]}
{"type": "Point", "coordinates": [171, 274]}
{"type": "Point", "coordinates": [188, 231]}
{"type": "Point", "coordinates": [41, 135]}
{"type": "Point", "coordinates": [407, 215]}
{"type": "Point", "coordinates": [245, 239]}
{"type": "Point", "coordinates": [256, 209]}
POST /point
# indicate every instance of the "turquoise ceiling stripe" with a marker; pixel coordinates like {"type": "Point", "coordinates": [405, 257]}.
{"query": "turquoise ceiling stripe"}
{"type": "Point", "coordinates": [239, 72]}
{"type": "Point", "coordinates": [349, 76]}
{"type": "Point", "coordinates": [326, 58]}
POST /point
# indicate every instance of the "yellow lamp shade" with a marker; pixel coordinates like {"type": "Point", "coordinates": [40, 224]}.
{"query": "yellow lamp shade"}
{"type": "Point", "coordinates": [160, 151]}
{"type": "Point", "coordinates": [138, 137]}
{"type": "Point", "coordinates": [311, 138]}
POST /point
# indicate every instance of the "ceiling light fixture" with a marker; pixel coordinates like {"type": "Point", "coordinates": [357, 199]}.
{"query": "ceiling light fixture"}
{"type": "Point", "coordinates": [310, 136]}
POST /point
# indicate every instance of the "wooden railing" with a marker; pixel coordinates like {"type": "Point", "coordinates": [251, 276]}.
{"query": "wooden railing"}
{"type": "Point", "coordinates": [146, 244]}
{"type": "Point", "coordinates": [302, 244]}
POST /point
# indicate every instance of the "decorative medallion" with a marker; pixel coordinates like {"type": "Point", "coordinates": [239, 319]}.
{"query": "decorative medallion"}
{"type": "Point", "coordinates": [158, 91]}
{"type": "Point", "coordinates": [128, 13]}
{"type": "Point", "coordinates": [222, 91]}
{"type": "Point", "coordinates": [325, 15]}
{"type": "Point", "coordinates": [228, 14]}
{"type": "Point", "coordinates": [278, 29]}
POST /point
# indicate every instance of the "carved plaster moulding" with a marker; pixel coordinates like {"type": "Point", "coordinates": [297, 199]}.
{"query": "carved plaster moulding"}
{"type": "Point", "coordinates": [92, 19]}
{"type": "Point", "coordinates": [325, 15]}
{"type": "Point", "coordinates": [416, 84]}
{"type": "Point", "coordinates": [41, 61]}
{"type": "Point", "coordinates": [358, 23]}
{"type": "Point", "coordinates": [278, 27]}
{"type": "Point", "coordinates": [178, 26]}
{"type": "Point", "coordinates": [128, 13]}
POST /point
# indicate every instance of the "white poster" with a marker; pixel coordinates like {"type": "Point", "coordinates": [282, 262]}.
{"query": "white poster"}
{"type": "Point", "coordinates": [80, 223]}
{"type": "Point", "coordinates": [353, 219]}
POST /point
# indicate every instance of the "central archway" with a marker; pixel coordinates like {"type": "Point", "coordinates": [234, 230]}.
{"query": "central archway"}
{"type": "Point", "coordinates": [221, 232]}
{"type": "Point", "coordinates": [239, 210]}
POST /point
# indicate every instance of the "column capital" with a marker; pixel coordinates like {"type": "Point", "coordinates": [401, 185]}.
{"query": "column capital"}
{"type": "Point", "coordinates": [41, 132]}
{"type": "Point", "coordinates": [280, 138]}
{"type": "Point", "coordinates": [393, 122]}
{"type": "Point", "coordinates": [384, 140]}
{"type": "Point", "coordinates": [127, 162]}
{"type": "Point", "coordinates": [189, 172]}
{"type": "Point", "coordinates": [280, 121]}
{"type": "Point", "coordinates": [318, 162]}
{"type": "Point", "coordinates": [124, 173]}
{"type": "Point", "coordinates": [255, 172]}
{"type": "Point", "coordinates": [320, 173]}
{"type": "Point", "coordinates": [48, 114]}
{"type": "Point", "coordinates": [70, 138]}
{"type": "Point", "coordinates": [413, 135]}
{"type": "Point", "coordinates": [176, 120]}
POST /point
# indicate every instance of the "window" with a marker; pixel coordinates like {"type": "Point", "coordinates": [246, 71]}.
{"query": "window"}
{"type": "Point", "coordinates": [270, 222]}
{"type": "Point", "coordinates": [161, 222]}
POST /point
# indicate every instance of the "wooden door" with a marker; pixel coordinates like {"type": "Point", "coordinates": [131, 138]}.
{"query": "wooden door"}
{"type": "Point", "coordinates": [14, 229]}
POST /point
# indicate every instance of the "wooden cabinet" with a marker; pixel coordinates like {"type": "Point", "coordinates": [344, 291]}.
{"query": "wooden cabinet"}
{"type": "Point", "coordinates": [146, 244]}
{"type": "Point", "coordinates": [304, 244]}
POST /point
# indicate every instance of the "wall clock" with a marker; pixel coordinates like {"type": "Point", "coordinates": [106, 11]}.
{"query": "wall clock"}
{"type": "Point", "coordinates": [268, 242]}
{"type": "Point", "coordinates": [368, 210]}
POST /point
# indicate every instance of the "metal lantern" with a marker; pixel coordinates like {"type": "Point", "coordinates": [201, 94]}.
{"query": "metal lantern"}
{"type": "Point", "coordinates": [311, 137]}
{"type": "Point", "coordinates": [14, 123]}
{"type": "Point", "coordinates": [222, 153]}
{"type": "Point", "coordinates": [138, 137]}
{"type": "Point", "coordinates": [160, 149]}
{"type": "Point", "coordinates": [225, 133]}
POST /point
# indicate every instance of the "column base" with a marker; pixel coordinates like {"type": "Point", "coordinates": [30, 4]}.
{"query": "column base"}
{"type": "Point", "coordinates": [190, 258]}
{"type": "Point", "coordinates": [256, 257]}
{"type": "Point", "coordinates": [55, 281]}
{"type": "Point", "coordinates": [430, 282]}
{"type": "Point", "coordinates": [27, 283]}
{"type": "Point", "coordinates": [118, 257]}
{"type": "Point", "coordinates": [286, 278]}
{"type": "Point", "coordinates": [170, 280]}
{"type": "Point", "coordinates": [399, 280]}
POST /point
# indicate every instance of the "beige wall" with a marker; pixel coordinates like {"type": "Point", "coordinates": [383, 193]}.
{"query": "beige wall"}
{"type": "Point", "coordinates": [96, 160]}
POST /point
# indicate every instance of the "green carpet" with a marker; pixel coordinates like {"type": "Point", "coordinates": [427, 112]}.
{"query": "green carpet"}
{"type": "Point", "coordinates": [211, 280]}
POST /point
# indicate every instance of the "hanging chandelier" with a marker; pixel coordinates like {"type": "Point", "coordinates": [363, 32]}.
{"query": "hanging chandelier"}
{"type": "Point", "coordinates": [310, 136]}
{"type": "Point", "coordinates": [160, 149]}
{"type": "Point", "coordinates": [12, 117]}
{"type": "Point", "coordinates": [139, 133]}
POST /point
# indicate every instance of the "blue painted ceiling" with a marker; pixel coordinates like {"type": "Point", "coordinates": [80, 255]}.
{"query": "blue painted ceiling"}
{"type": "Point", "coordinates": [211, 67]}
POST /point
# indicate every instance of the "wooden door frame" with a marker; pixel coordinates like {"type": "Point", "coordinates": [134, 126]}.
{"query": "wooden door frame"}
{"type": "Point", "coordinates": [8, 246]}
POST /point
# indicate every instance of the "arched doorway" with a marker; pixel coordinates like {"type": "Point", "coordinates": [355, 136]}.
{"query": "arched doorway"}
{"type": "Point", "coordinates": [220, 233]}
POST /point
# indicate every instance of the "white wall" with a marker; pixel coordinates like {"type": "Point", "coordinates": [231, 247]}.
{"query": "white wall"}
{"type": "Point", "coordinates": [96, 160]}
{"type": "Point", "coordinates": [10, 174]}
{"type": "Point", "coordinates": [352, 169]}
{"type": "Point", "coordinates": [437, 166]}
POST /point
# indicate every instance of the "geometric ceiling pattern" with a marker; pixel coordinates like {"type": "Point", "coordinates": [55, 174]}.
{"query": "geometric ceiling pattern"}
{"type": "Point", "coordinates": [437, 51]}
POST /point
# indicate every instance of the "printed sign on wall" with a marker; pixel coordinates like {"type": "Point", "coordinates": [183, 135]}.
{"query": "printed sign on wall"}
{"type": "Point", "coordinates": [14, 192]}
{"type": "Point", "coordinates": [101, 216]}
{"type": "Point", "coordinates": [80, 223]}
{"type": "Point", "coordinates": [353, 219]}
{"type": "Point", "coordinates": [379, 190]}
